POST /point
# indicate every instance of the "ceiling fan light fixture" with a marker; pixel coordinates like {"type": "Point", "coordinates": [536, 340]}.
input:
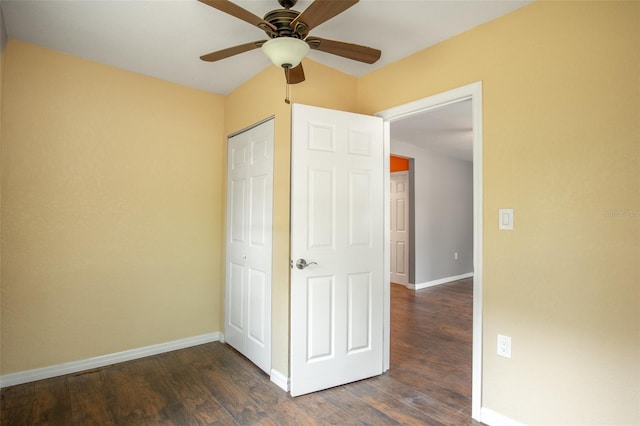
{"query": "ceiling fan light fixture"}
{"type": "Point", "coordinates": [286, 51]}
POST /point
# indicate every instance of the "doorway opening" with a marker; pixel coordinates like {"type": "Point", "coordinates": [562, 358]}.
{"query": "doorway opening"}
{"type": "Point", "coordinates": [473, 94]}
{"type": "Point", "coordinates": [401, 218]}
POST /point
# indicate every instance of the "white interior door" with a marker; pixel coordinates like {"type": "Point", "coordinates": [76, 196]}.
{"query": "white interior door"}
{"type": "Point", "coordinates": [337, 228]}
{"type": "Point", "coordinates": [399, 198]}
{"type": "Point", "coordinates": [249, 250]}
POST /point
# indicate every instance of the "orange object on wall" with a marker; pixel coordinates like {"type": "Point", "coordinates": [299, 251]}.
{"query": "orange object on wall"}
{"type": "Point", "coordinates": [399, 164]}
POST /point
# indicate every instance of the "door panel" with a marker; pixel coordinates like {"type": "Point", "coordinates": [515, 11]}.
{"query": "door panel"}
{"type": "Point", "coordinates": [321, 214]}
{"type": "Point", "coordinates": [258, 201]}
{"type": "Point", "coordinates": [360, 208]}
{"type": "Point", "coordinates": [256, 303]}
{"type": "Point", "coordinates": [235, 310]}
{"type": "Point", "coordinates": [359, 312]}
{"type": "Point", "coordinates": [237, 214]}
{"type": "Point", "coordinates": [337, 227]}
{"type": "Point", "coordinates": [321, 323]}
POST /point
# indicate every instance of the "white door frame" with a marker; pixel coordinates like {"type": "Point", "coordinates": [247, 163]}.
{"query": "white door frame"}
{"type": "Point", "coordinates": [473, 92]}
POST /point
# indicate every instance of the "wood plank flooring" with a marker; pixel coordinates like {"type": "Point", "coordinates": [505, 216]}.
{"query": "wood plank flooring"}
{"type": "Point", "coordinates": [429, 381]}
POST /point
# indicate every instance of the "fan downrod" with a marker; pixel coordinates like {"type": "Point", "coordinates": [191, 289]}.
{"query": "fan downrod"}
{"type": "Point", "coordinates": [287, 4]}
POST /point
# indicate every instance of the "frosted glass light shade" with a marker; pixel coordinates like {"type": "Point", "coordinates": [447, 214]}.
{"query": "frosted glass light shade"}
{"type": "Point", "coordinates": [285, 51]}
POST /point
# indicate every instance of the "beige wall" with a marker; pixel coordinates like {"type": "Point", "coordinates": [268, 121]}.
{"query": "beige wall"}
{"type": "Point", "coordinates": [262, 97]}
{"type": "Point", "coordinates": [561, 146]}
{"type": "Point", "coordinates": [111, 208]}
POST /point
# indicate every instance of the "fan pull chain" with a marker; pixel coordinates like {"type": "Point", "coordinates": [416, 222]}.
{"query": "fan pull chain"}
{"type": "Point", "coordinates": [286, 98]}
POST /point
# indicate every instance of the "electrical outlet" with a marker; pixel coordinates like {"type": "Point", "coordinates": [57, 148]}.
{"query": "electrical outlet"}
{"type": "Point", "coordinates": [455, 256]}
{"type": "Point", "coordinates": [504, 346]}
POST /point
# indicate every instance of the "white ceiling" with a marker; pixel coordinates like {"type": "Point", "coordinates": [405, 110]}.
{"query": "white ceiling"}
{"type": "Point", "coordinates": [446, 130]}
{"type": "Point", "coordinates": [165, 38]}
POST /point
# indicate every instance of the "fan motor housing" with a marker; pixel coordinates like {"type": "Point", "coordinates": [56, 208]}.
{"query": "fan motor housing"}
{"type": "Point", "coordinates": [281, 19]}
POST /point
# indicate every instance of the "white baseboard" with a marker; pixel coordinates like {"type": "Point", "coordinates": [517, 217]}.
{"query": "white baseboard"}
{"type": "Point", "coordinates": [101, 361]}
{"type": "Point", "coordinates": [420, 286]}
{"type": "Point", "coordinates": [280, 379]}
{"type": "Point", "coordinates": [493, 418]}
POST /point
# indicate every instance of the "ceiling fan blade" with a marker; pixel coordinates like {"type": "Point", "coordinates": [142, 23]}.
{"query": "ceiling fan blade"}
{"type": "Point", "coordinates": [294, 75]}
{"type": "Point", "coordinates": [346, 50]}
{"type": "Point", "coordinates": [231, 51]}
{"type": "Point", "coordinates": [321, 11]}
{"type": "Point", "coordinates": [233, 9]}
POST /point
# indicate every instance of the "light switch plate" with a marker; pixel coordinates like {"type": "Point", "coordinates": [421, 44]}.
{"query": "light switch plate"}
{"type": "Point", "coordinates": [505, 219]}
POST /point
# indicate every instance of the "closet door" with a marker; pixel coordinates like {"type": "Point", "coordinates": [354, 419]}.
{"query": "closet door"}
{"type": "Point", "coordinates": [248, 243]}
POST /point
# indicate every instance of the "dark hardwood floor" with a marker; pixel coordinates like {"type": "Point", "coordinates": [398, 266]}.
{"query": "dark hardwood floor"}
{"type": "Point", "coordinates": [429, 381]}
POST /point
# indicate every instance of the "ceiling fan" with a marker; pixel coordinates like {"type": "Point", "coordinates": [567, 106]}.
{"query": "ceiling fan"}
{"type": "Point", "coordinates": [288, 32]}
